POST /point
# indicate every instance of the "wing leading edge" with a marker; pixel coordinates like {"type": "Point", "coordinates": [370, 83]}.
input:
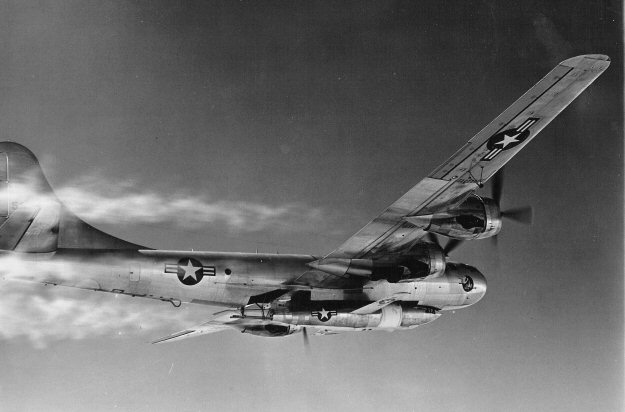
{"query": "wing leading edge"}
{"type": "Point", "coordinates": [478, 160]}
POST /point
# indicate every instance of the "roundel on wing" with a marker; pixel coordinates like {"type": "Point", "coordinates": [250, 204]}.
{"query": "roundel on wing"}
{"type": "Point", "coordinates": [507, 139]}
{"type": "Point", "coordinates": [190, 271]}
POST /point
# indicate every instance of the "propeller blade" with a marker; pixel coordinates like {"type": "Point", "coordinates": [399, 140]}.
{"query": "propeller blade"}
{"type": "Point", "coordinates": [524, 215]}
{"type": "Point", "coordinates": [451, 245]}
{"type": "Point", "coordinates": [494, 241]}
{"type": "Point", "coordinates": [433, 238]}
{"type": "Point", "coordinates": [497, 186]}
{"type": "Point", "coordinates": [306, 342]}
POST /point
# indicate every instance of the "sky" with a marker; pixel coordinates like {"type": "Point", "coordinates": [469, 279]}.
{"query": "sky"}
{"type": "Point", "coordinates": [285, 127]}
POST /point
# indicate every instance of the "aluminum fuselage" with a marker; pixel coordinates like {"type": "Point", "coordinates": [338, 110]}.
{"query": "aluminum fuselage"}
{"type": "Point", "coordinates": [237, 277]}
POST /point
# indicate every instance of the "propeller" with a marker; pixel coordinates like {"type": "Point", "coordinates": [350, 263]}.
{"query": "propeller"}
{"type": "Point", "coordinates": [523, 214]}
{"type": "Point", "coordinates": [306, 342]}
{"type": "Point", "coordinates": [497, 187]}
{"type": "Point", "coordinates": [451, 244]}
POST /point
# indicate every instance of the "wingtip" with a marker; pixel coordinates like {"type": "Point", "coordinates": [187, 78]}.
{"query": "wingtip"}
{"type": "Point", "coordinates": [575, 61]}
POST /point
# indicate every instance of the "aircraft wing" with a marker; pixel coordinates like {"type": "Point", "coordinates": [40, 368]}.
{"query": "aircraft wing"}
{"type": "Point", "coordinates": [217, 324]}
{"type": "Point", "coordinates": [193, 332]}
{"type": "Point", "coordinates": [375, 306]}
{"type": "Point", "coordinates": [478, 160]}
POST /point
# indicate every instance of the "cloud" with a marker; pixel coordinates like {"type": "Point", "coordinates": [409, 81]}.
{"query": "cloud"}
{"type": "Point", "coordinates": [97, 201]}
{"type": "Point", "coordinates": [549, 36]}
{"type": "Point", "coordinates": [185, 210]}
{"type": "Point", "coordinates": [45, 314]}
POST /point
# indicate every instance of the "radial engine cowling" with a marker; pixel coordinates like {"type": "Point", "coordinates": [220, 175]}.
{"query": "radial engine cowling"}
{"type": "Point", "coordinates": [475, 218]}
{"type": "Point", "coordinates": [424, 260]}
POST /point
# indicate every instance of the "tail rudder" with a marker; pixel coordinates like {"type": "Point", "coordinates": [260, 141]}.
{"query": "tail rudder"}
{"type": "Point", "coordinates": [32, 219]}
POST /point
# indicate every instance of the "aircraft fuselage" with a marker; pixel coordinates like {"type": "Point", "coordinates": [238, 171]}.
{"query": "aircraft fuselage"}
{"type": "Point", "coordinates": [226, 279]}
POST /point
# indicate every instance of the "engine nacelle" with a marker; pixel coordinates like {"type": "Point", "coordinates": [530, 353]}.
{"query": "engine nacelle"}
{"type": "Point", "coordinates": [426, 259]}
{"type": "Point", "coordinates": [475, 218]}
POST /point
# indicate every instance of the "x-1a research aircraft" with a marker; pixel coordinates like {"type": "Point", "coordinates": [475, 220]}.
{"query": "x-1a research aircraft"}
{"type": "Point", "coordinates": [392, 274]}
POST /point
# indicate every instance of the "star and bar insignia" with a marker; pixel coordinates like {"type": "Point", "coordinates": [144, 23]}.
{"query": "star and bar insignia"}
{"type": "Point", "coordinates": [323, 315]}
{"type": "Point", "coordinates": [508, 139]}
{"type": "Point", "coordinates": [190, 271]}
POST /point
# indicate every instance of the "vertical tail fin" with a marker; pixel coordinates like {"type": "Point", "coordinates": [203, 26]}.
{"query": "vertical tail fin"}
{"type": "Point", "coordinates": [32, 219]}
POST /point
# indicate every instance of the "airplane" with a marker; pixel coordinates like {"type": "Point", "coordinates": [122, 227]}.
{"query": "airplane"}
{"type": "Point", "coordinates": [393, 274]}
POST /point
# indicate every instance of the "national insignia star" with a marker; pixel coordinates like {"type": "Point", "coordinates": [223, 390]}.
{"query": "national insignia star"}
{"type": "Point", "coordinates": [324, 314]}
{"type": "Point", "coordinates": [508, 140]}
{"type": "Point", "coordinates": [189, 271]}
